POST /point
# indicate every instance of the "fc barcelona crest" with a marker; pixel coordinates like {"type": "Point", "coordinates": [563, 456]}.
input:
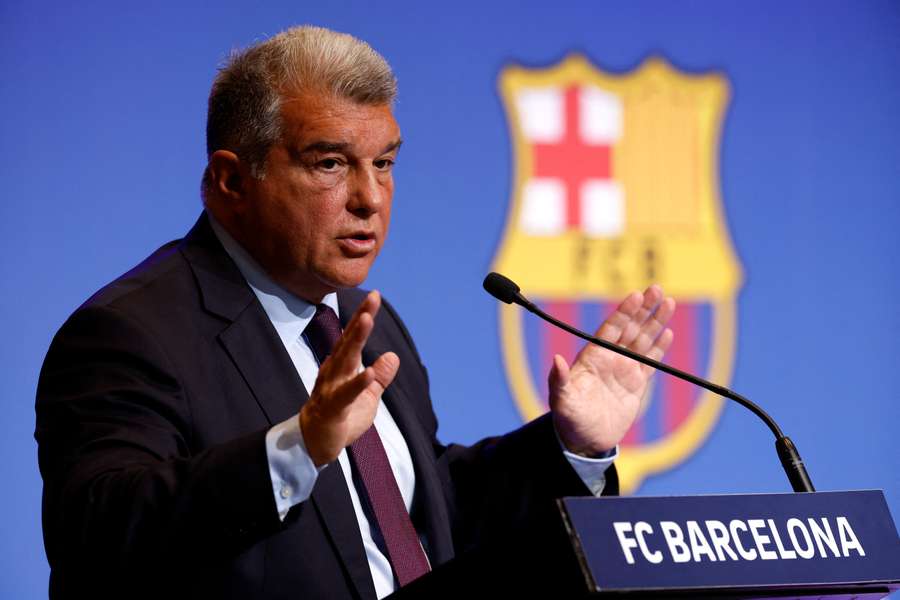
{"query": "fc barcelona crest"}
{"type": "Point", "coordinates": [615, 186]}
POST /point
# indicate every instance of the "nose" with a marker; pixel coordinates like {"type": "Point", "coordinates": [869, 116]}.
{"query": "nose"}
{"type": "Point", "coordinates": [371, 189]}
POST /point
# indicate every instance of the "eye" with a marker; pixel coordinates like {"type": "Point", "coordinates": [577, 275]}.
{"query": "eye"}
{"type": "Point", "coordinates": [384, 164]}
{"type": "Point", "coordinates": [329, 164]}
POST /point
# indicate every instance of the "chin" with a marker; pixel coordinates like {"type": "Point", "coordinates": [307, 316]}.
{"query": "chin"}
{"type": "Point", "coordinates": [348, 278]}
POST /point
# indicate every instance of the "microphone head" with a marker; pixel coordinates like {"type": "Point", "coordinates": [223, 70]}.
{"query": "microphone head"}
{"type": "Point", "coordinates": [501, 288]}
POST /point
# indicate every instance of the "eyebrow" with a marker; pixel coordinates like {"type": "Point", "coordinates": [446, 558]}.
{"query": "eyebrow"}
{"type": "Point", "coordinates": [325, 147]}
{"type": "Point", "coordinates": [395, 145]}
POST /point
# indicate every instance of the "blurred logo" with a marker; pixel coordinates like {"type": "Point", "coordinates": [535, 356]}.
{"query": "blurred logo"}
{"type": "Point", "coordinates": [615, 186]}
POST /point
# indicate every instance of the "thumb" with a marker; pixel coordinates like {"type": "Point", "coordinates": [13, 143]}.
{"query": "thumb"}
{"type": "Point", "coordinates": [558, 377]}
{"type": "Point", "coordinates": [386, 368]}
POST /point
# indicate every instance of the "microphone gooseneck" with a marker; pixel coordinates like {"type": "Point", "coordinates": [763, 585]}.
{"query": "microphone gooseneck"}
{"type": "Point", "coordinates": [506, 290]}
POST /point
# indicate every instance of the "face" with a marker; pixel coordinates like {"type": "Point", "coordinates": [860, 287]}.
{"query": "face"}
{"type": "Point", "coordinates": [319, 217]}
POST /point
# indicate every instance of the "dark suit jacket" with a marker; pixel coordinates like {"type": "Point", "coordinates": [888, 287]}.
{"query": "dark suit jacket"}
{"type": "Point", "coordinates": [152, 409]}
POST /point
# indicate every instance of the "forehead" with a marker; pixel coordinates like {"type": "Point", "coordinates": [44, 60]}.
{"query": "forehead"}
{"type": "Point", "coordinates": [309, 117]}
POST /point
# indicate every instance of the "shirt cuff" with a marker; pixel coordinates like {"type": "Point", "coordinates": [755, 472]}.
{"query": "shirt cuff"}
{"type": "Point", "coordinates": [291, 469]}
{"type": "Point", "coordinates": [592, 471]}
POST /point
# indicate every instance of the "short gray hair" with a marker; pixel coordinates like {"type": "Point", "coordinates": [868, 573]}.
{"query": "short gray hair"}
{"type": "Point", "coordinates": [244, 113]}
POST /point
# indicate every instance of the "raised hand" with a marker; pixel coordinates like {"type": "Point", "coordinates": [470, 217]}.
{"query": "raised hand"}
{"type": "Point", "coordinates": [344, 401]}
{"type": "Point", "coordinates": [595, 401]}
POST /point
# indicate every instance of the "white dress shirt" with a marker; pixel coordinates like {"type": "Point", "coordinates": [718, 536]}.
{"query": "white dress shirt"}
{"type": "Point", "coordinates": [290, 466]}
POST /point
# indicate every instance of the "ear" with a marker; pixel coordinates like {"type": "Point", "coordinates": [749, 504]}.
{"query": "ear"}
{"type": "Point", "coordinates": [227, 177]}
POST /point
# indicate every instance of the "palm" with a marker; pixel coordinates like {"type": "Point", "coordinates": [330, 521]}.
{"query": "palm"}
{"type": "Point", "coordinates": [596, 400]}
{"type": "Point", "coordinates": [361, 414]}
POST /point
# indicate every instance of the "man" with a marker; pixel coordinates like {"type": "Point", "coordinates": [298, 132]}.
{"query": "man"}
{"type": "Point", "coordinates": [234, 418]}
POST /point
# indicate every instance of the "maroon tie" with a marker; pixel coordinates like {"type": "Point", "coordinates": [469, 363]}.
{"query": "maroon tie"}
{"type": "Point", "coordinates": [404, 550]}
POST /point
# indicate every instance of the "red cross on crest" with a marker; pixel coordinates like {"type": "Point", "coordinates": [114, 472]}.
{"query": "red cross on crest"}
{"type": "Point", "coordinates": [572, 160]}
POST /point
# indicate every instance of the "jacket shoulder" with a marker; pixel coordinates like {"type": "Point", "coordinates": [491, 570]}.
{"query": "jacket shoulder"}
{"type": "Point", "coordinates": [160, 264]}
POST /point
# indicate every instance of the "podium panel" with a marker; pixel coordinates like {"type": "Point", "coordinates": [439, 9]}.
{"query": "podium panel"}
{"type": "Point", "coordinates": [748, 542]}
{"type": "Point", "coordinates": [810, 545]}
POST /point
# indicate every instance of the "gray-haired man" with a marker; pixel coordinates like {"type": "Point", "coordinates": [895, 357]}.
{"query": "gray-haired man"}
{"type": "Point", "coordinates": [234, 418]}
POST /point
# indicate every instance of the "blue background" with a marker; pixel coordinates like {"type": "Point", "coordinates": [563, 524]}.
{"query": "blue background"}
{"type": "Point", "coordinates": [102, 149]}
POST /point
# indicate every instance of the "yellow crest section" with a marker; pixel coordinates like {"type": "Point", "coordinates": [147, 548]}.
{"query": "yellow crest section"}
{"type": "Point", "coordinates": [663, 163]}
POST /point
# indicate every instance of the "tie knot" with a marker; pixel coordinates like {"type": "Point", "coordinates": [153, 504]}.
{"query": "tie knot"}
{"type": "Point", "coordinates": [323, 332]}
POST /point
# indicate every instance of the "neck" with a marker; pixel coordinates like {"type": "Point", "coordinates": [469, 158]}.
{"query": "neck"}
{"type": "Point", "coordinates": [284, 277]}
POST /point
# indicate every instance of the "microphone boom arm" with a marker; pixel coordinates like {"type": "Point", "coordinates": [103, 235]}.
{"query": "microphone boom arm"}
{"type": "Point", "coordinates": [787, 452]}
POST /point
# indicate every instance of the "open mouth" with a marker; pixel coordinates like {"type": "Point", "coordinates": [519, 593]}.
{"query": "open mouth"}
{"type": "Point", "coordinates": [358, 244]}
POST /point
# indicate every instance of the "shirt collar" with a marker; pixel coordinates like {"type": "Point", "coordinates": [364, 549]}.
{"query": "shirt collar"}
{"type": "Point", "coordinates": [288, 313]}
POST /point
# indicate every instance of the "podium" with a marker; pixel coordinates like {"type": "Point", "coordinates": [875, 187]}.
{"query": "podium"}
{"type": "Point", "coordinates": [812, 545]}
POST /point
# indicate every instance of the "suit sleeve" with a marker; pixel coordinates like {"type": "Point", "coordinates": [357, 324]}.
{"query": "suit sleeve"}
{"type": "Point", "coordinates": [121, 485]}
{"type": "Point", "coordinates": [508, 484]}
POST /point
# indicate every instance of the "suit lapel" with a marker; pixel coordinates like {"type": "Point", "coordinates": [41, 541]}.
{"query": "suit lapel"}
{"type": "Point", "coordinates": [259, 355]}
{"type": "Point", "coordinates": [249, 338]}
{"type": "Point", "coordinates": [254, 347]}
{"type": "Point", "coordinates": [332, 501]}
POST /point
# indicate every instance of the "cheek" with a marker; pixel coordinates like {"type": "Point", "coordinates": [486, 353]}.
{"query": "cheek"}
{"type": "Point", "coordinates": [311, 209]}
{"type": "Point", "coordinates": [321, 220]}
{"type": "Point", "coordinates": [388, 201]}
{"type": "Point", "coordinates": [387, 219]}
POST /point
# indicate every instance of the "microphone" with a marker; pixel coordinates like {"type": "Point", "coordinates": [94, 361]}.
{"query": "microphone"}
{"type": "Point", "coordinates": [504, 289]}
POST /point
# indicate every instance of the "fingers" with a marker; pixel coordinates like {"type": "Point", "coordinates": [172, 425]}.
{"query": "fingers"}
{"type": "Point", "coordinates": [347, 353]}
{"type": "Point", "coordinates": [373, 379]}
{"type": "Point", "coordinates": [617, 324]}
{"type": "Point", "coordinates": [339, 378]}
{"type": "Point", "coordinates": [639, 319]}
{"type": "Point", "coordinates": [652, 296]}
{"type": "Point", "coordinates": [360, 325]}
{"type": "Point", "coordinates": [652, 327]}
{"type": "Point", "coordinates": [659, 348]}
{"type": "Point", "coordinates": [662, 345]}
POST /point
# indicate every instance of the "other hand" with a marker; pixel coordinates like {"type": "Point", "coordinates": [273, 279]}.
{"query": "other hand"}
{"type": "Point", "coordinates": [596, 400]}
